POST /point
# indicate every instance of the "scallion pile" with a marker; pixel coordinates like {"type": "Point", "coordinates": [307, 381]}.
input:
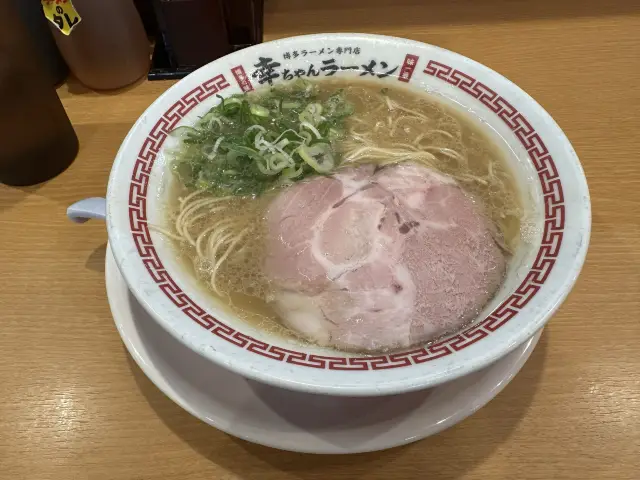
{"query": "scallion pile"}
{"type": "Point", "coordinates": [249, 143]}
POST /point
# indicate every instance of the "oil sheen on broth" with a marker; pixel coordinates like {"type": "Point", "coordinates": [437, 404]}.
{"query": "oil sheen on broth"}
{"type": "Point", "coordinates": [388, 125]}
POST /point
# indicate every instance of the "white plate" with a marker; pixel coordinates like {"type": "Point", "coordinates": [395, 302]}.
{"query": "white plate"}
{"type": "Point", "coordinates": [291, 420]}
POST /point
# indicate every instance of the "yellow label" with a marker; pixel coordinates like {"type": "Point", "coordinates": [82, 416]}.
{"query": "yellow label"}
{"type": "Point", "coordinates": [62, 14]}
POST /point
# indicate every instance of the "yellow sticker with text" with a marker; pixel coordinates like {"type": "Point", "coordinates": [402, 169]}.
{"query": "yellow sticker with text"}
{"type": "Point", "coordinates": [62, 14]}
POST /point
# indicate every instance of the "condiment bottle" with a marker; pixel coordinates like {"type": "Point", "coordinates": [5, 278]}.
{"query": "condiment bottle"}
{"type": "Point", "coordinates": [103, 42]}
{"type": "Point", "coordinates": [38, 141]}
{"type": "Point", "coordinates": [30, 12]}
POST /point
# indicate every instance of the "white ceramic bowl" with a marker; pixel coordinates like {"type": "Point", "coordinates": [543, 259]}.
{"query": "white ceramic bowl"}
{"type": "Point", "coordinates": [539, 278]}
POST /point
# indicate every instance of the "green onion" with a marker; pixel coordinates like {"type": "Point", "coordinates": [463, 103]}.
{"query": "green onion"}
{"type": "Point", "coordinates": [249, 143]}
{"type": "Point", "coordinates": [289, 105]}
{"type": "Point", "coordinates": [179, 131]}
{"type": "Point", "coordinates": [259, 111]}
{"type": "Point", "coordinates": [318, 157]}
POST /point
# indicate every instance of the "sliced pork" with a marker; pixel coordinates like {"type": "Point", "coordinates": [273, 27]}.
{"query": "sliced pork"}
{"type": "Point", "coordinates": [372, 259]}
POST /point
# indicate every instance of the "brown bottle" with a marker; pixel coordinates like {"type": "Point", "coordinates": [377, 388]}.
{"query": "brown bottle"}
{"type": "Point", "coordinates": [31, 15]}
{"type": "Point", "coordinates": [108, 48]}
{"type": "Point", "coordinates": [38, 141]}
{"type": "Point", "coordinates": [196, 32]}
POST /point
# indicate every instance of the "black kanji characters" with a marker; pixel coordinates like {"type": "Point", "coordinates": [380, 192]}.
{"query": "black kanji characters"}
{"type": "Point", "coordinates": [322, 51]}
{"type": "Point", "coordinates": [266, 70]}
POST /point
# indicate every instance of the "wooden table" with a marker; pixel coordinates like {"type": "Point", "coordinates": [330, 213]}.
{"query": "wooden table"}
{"type": "Point", "coordinates": [73, 405]}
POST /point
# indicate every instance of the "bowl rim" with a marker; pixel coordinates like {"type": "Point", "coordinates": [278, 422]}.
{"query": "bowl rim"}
{"type": "Point", "coordinates": [407, 383]}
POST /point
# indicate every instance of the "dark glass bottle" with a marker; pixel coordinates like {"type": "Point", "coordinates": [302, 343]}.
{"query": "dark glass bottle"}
{"type": "Point", "coordinates": [196, 32]}
{"type": "Point", "coordinates": [30, 12]}
{"type": "Point", "coordinates": [38, 141]}
{"type": "Point", "coordinates": [244, 22]}
{"type": "Point", "coordinates": [108, 48]}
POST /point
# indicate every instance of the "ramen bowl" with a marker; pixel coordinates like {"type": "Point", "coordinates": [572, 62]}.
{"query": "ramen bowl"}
{"type": "Point", "coordinates": [540, 274]}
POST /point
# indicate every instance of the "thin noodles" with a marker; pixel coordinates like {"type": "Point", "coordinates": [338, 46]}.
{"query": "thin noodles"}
{"type": "Point", "coordinates": [426, 133]}
{"type": "Point", "coordinates": [223, 235]}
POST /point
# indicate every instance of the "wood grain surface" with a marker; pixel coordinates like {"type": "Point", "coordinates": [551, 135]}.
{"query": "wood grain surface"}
{"type": "Point", "coordinates": [73, 405]}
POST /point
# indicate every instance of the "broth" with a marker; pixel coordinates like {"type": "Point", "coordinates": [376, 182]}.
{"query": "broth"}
{"type": "Point", "coordinates": [417, 127]}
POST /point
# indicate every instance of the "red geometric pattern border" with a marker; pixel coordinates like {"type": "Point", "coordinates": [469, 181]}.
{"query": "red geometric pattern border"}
{"type": "Point", "coordinates": [545, 260]}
